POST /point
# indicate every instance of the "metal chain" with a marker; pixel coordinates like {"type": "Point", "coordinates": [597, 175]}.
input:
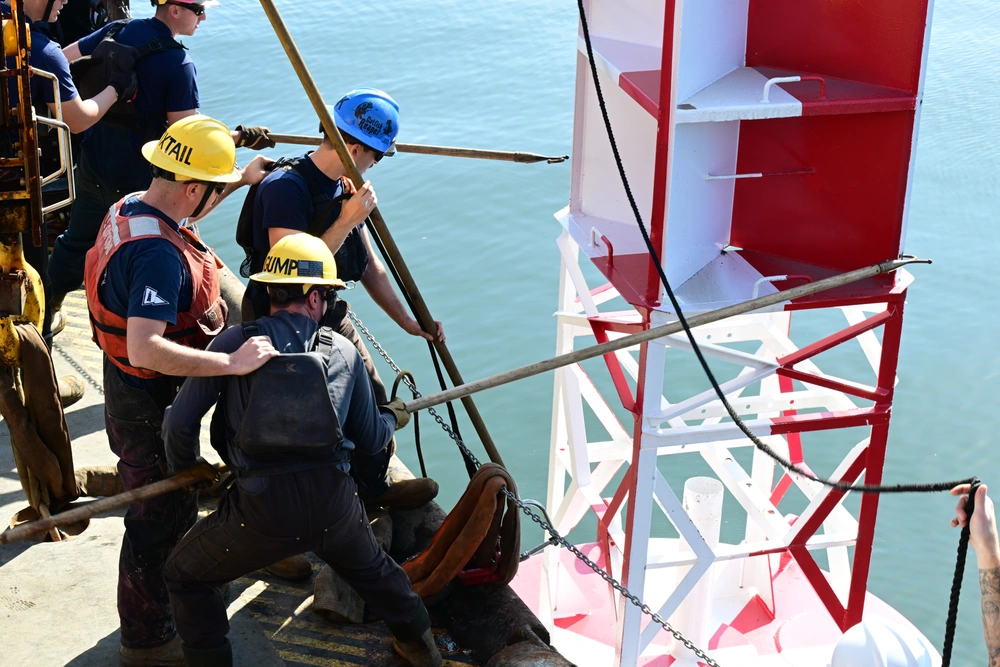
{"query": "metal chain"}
{"type": "Point", "coordinates": [81, 371]}
{"type": "Point", "coordinates": [545, 525]}
{"type": "Point", "coordinates": [412, 387]}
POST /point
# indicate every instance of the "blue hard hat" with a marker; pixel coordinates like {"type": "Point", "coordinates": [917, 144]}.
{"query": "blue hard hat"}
{"type": "Point", "coordinates": [370, 116]}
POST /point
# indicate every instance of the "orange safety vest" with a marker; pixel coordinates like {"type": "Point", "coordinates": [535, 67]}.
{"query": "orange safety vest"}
{"type": "Point", "coordinates": [195, 327]}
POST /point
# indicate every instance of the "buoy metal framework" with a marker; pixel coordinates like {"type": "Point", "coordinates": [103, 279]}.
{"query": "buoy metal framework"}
{"type": "Point", "coordinates": [768, 145]}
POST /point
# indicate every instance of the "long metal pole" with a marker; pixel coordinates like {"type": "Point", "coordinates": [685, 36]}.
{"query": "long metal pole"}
{"type": "Point", "coordinates": [657, 332]}
{"type": "Point", "coordinates": [428, 149]}
{"type": "Point", "coordinates": [377, 222]}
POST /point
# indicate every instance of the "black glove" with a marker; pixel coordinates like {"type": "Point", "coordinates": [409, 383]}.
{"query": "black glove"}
{"type": "Point", "coordinates": [201, 475]}
{"type": "Point", "coordinates": [126, 84]}
{"type": "Point", "coordinates": [255, 138]}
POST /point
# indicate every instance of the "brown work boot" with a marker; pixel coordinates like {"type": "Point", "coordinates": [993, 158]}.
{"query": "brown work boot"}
{"type": "Point", "coordinates": [422, 652]}
{"type": "Point", "coordinates": [405, 494]}
{"type": "Point", "coordinates": [170, 654]}
{"type": "Point", "coordinates": [293, 568]}
{"type": "Point", "coordinates": [71, 390]}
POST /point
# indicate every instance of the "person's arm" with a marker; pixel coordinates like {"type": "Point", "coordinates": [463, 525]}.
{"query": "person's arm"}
{"type": "Point", "coordinates": [82, 114]}
{"type": "Point", "coordinates": [377, 284]}
{"type": "Point", "coordinates": [147, 348]}
{"type": "Point", "coordinates": [353, 212]}
{"type": "Point", "coordinates": [182, 422]}
{"type": "Point", "coordinates": [253, 173]}
{"type": "Point", "coordinates": [983, 539]}
{"type": "Point", "coordinates": [364, 424]}
{"type": "Point", "coordinates": [72, 52]}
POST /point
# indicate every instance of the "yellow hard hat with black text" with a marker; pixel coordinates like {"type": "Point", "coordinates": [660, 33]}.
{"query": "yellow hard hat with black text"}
{"type": "Point", "coordinates": [299, 259]}
{"type": "Point", "coordinates": [196, 148]}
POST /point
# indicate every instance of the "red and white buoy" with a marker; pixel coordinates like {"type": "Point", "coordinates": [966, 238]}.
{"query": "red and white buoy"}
{"type": "Point", "coordinates": [767, 144]}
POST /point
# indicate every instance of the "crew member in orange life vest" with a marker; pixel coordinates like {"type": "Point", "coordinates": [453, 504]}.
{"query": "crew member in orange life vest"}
{"type": "Point", "coordinates": [153, 295]}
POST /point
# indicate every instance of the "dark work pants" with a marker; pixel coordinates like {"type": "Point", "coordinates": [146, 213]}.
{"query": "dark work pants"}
{"type": "Point", "coordinates": [152, 527]}
{"type": "Point", "coordinates": [370, 471]}
{"type": "Point", "coordinates": [314, 510]}
{"type": "Point", "coordinates": [70, 250]}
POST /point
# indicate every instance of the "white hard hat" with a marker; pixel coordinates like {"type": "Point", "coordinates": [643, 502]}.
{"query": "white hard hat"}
{"type": "Point", "coordinates": [877, 642]}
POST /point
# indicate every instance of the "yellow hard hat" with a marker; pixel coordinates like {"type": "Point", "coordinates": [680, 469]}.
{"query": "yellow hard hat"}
{"type": "Point", "coordinates": [196, 148]}
{"type": "Point", "coordinates": [299, 259]}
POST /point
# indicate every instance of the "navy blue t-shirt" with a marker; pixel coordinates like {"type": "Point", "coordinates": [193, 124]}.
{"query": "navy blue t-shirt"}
{"type": "Point", "coordinates": [167, 82]}
{"type": "Point", "coordinates": [283, 201]}
{"type": "Point", "coordinates": [48, 56]}
{"type": "Point", "coordinates": [146, 278]}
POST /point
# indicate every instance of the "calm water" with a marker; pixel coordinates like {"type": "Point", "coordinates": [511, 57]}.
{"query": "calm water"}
{"type": "Point", "coordinates": [479, 236]}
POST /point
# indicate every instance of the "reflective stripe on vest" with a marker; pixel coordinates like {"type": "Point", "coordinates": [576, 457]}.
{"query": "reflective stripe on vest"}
{"type": "Point", "coordinates": [195, 327]}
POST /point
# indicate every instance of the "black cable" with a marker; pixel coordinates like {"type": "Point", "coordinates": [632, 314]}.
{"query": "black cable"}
{"type": "Point", "coordinates": [762, 446]}
{"type": "Point", "coordinates": [956, 582]}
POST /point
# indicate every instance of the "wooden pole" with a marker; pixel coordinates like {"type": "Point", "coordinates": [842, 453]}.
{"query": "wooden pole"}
{"type": "Point", "coordinates": [378, 225]}
{"type": "Point", "coordinates": [102, 506]}
{"type": "Point", "coordinates": [427, 149]}
{"type": "Point", "coordinates": [657, 332]}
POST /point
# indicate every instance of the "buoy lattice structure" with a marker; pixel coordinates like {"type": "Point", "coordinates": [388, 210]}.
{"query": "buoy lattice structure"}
{"type": "Point", "coordinates": [766, 145]}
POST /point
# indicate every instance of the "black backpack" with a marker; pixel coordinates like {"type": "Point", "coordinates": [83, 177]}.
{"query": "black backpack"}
{"type": "Point", "coordinates": [92, 73]}
{"type": "Point", "coordinates": [351, 258]}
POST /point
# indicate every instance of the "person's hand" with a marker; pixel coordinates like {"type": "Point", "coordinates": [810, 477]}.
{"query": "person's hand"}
{"type": "Point", "coordinates": [412, 327]}
{"type": "Point", "coordinates": [251, 355]}
{"type": "Point", "coordinates": [256, 170]}
{"type": "Point", "coordinates": [255, 138]}
{"type": "Point", "coordinates": [126, 84]}
{"type": "Point", "coordinates": [357, 209]}
{"type": "Point", "coordinates": [983, 529]}
{"type": "Point", "coordinates": [201, 475]}
{"type": "Point", "coordinates": [398, 409]}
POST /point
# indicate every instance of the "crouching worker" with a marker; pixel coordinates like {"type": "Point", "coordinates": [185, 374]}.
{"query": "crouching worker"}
{"type": "Point", "coordinates": [153, 296]}
{"type": "Point", "coordinates": [290, 429]}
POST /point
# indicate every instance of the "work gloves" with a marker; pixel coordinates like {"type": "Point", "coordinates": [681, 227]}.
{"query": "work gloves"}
{"type": "Point", "coordinates": [201, 475]}
{"type": "Point", "coordinates": [255, 138]}
{"type": "Point", "coordinates": [126, 84]}
{"type": "Point", "coordinates": [117, 63]}
{"type": "Point", "coordinates": [398, 409]}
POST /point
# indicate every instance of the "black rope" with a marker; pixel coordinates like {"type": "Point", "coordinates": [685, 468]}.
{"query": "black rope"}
{"type": "Point", "coordinates": [956, 582]}
{"type": "Point", "coordinates": [470, 466]}
{"type": "Point", "coordinates": [761, 445]}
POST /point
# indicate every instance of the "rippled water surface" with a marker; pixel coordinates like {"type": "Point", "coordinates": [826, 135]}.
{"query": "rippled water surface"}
{"type": "Point", "coordinates": [479, 236]}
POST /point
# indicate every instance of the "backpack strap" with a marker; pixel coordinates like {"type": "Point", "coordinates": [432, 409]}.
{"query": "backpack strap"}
{"type": "Point", "coordinates": [325, 344]}
{"type": "Point", "coordinates": [156, 45]}
{"type": "Point", "coordinates": [249, 330]}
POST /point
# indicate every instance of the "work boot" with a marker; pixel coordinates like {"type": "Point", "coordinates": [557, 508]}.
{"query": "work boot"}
{"type": "Point", "coordinates": [58, 322]}
{"type": "Point", "coordinates": [221, 656]}
{"type": "Point", "coordinates": [71, 390]}
{"type": "Point", "coordinates": [421, 652]}
{"type": "Point", "coordinates": [165, 655]}
{"type": "Point", "coordinates": [405, 494]}
{"type": "Point", "coordinates": [293, 568]}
